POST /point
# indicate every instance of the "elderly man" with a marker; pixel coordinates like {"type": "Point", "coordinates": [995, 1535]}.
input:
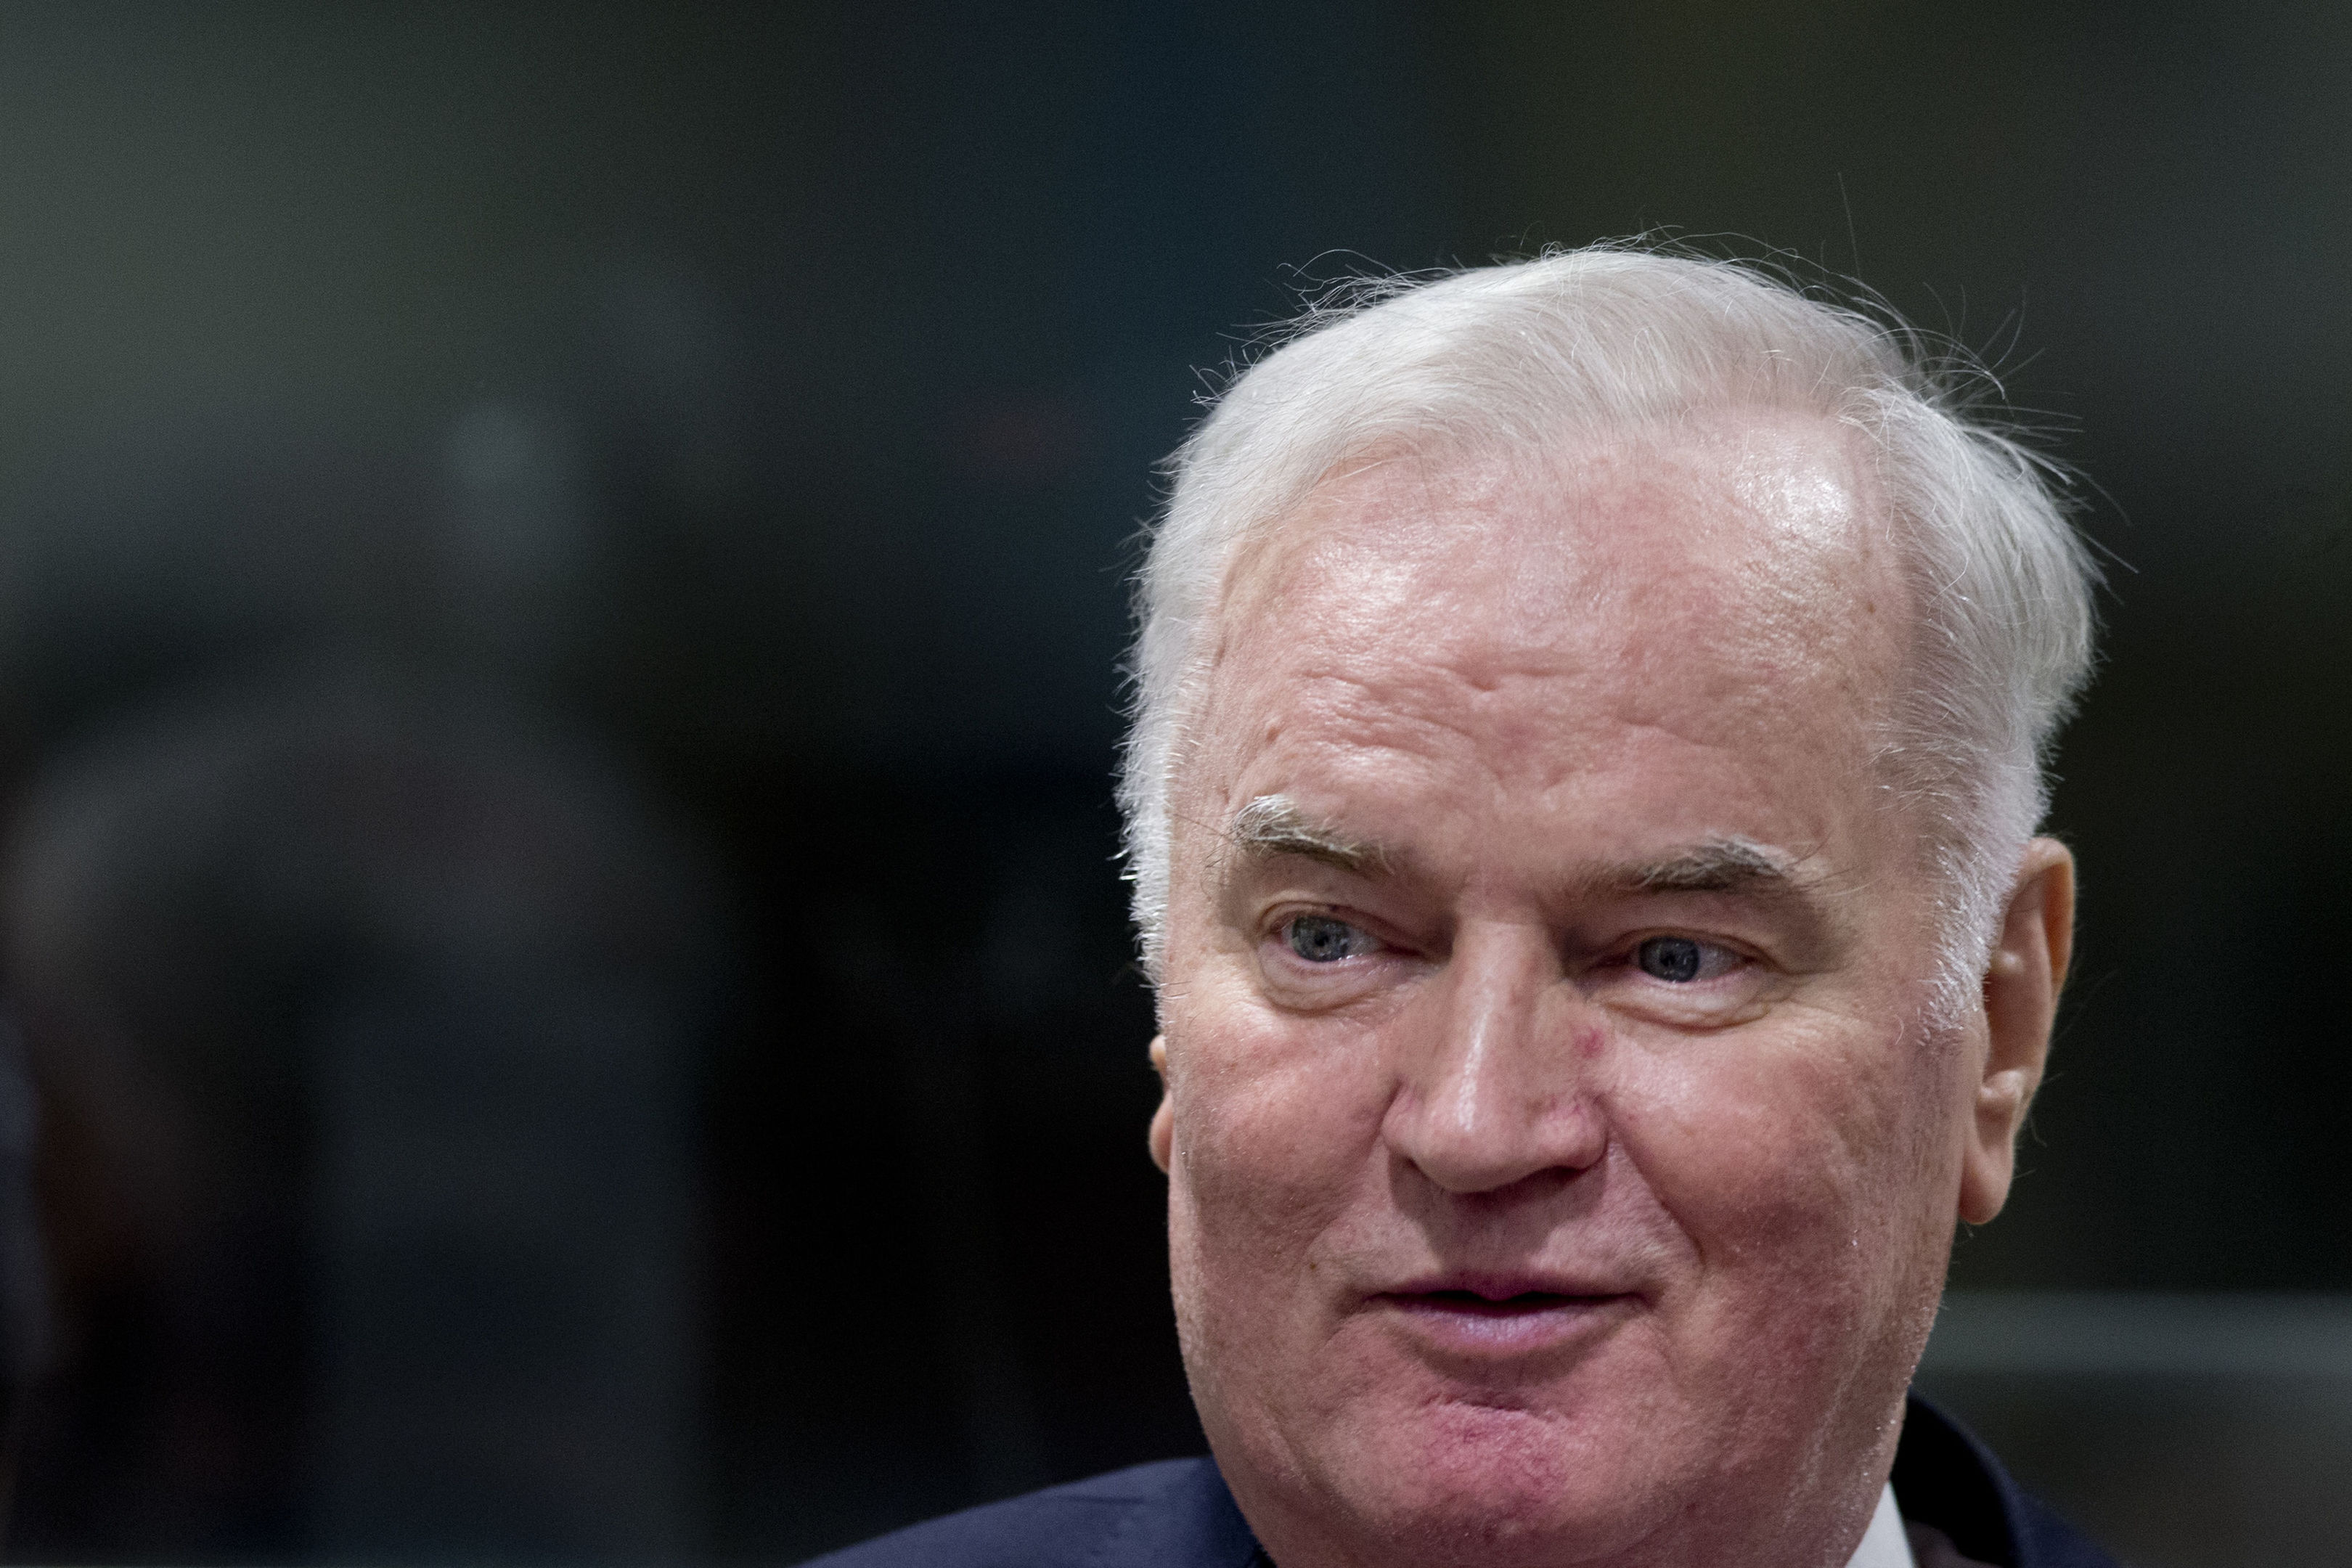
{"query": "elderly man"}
{"type": "Point", "coordinates": [1581, 804]}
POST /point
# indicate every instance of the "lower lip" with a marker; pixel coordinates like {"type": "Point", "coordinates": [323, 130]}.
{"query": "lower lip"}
{"type": "Point", "coordinates": [1522, 1325]}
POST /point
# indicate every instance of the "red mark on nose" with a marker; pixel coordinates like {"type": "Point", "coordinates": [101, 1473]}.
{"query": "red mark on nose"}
{"type": "Point", "coordinates": [1588, 1041]}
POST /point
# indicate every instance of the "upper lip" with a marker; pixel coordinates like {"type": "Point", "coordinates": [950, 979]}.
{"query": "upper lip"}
{"type": "Point", "coordinates": [1505, 1284]}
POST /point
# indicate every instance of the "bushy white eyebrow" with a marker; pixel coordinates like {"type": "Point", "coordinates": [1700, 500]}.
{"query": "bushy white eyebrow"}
{"type": "Point", "coordinates": [1273, 825]}
{"type": "Point", "coordinates": [1717, 866]}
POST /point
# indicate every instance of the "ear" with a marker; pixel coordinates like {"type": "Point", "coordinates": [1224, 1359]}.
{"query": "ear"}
{"type": "Point", "coordinates": [1162, 1135]}
{"type": "Point", "coordinates": [2021, 993]}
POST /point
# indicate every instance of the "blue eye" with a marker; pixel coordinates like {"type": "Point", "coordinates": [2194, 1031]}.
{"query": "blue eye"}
{"type": "Point", "coordinates": [1319, 939]}
{"type": "Point", "coordinates": [1677, 959]}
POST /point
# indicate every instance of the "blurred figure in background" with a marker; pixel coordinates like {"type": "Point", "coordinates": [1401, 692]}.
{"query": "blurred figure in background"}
{"type": "Point", "coordinates": [366, 1002]}
{"type": "Point", "coordinates": [26, 1328]}
{"type": "Point", "coordinates": [367, 1010]}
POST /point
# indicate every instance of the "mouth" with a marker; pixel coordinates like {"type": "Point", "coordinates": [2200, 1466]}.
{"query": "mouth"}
{"type": "Point", "coordinates": [1501, 1318]}
{"type": "Point", "coordinates": [1478, 1306]}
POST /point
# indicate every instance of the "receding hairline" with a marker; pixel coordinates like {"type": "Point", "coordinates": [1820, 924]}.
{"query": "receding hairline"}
{"type": "Point", "coordinates": [1253, 555]}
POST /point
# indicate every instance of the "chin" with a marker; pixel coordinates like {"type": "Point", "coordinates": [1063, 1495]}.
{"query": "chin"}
{"type": "Point", "coordinates": [1458, 1482]}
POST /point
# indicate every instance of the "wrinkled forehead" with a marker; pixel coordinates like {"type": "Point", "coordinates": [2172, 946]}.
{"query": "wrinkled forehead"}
{"type": "Point", "coordinates": [1755, 544]}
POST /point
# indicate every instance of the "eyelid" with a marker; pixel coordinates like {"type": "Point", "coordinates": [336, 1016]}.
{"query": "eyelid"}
{"type": "Point", "coordinates": [1378, 939]}
{"type": "Point", "coordinates": [1279, 921]}
{"type": "Point", "coordinates": [1741, 992]}
{"type": "Point", "coordinates": [1628, 953]}
{"type": "Point", "coordinates": [1717, 960]}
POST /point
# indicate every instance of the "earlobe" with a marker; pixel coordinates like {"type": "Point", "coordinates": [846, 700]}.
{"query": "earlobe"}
{"type": "Point", "coordinates": [2021, 991]}
{"type": "Point", "coordinates": [1162, 1138]}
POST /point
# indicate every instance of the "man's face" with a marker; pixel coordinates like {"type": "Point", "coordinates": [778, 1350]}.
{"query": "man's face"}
{"type": "Point", "coordinates": [1562, 1166]}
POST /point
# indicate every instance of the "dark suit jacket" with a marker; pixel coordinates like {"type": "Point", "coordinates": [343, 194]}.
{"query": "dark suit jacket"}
{"type": "Point", "coordinates": [1178, 1514]}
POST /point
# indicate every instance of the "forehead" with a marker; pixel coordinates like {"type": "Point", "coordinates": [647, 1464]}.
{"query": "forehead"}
{"type": "Point", "coordinates": [1725, 585]}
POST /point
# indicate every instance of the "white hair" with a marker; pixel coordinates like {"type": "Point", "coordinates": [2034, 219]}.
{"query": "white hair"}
{"type": "Point", "coordinates": [1528, 354]}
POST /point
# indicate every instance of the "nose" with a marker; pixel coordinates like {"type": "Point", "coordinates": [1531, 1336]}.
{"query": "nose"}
{"type": "Point", "coordinates": [1496, 1085]}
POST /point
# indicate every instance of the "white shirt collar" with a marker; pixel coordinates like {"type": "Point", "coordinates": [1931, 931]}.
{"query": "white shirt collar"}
{"type": "Point", "coordinates": [1884, 1544]}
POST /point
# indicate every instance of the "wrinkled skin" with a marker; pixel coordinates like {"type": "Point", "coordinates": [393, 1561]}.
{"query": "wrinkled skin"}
{"type": "Point", "coordinates": [1542, 1192]}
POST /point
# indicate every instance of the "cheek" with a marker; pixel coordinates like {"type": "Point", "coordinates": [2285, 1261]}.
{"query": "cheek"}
{"type": "Point", "coordinates": [1266, 1144]}
{"type": "Point", "coordinates": [1267, 1161]}
{"type": "Point", "coordinates": [1807, 1153]}
{"type": "Point", "coordinates": [1821, 1235]}
{"type": "Point", "coordinates": [1277, 1126]}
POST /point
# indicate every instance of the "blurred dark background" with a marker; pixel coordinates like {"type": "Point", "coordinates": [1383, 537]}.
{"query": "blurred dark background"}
{"type": "Point", "coordinates": [561, 571]}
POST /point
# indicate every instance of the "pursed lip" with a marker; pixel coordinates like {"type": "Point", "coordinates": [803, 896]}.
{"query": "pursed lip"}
{"type": "Point", "coordinates": [1482, 1314]}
